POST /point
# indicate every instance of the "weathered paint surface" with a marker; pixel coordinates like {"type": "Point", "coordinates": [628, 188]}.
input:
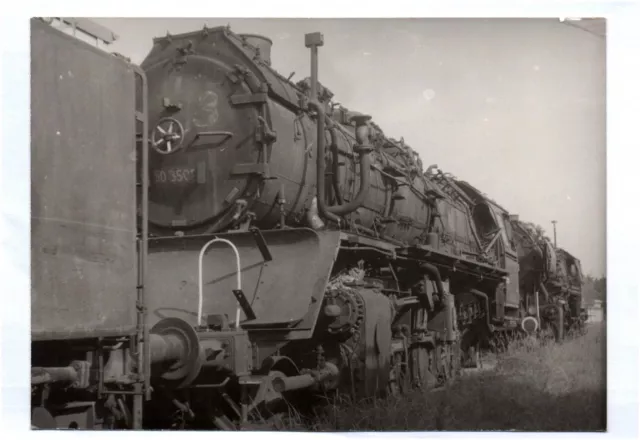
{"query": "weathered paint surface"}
{"type": "Point", "coordinates": [82, 136]}
{"type": "Point", "coordinates": [285, 292]}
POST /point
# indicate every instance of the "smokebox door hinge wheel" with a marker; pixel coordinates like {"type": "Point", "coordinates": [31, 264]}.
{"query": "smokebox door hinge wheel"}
{"type": "Point", "coordinates": [167, 136]}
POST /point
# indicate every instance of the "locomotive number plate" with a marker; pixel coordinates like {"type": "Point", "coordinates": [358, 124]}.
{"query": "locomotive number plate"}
{"type": "Point", "coordinates": [176, 176]}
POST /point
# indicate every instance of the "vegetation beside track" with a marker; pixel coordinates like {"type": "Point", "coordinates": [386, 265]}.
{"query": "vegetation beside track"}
{"type": "Point", "coordinates": [531, 387]}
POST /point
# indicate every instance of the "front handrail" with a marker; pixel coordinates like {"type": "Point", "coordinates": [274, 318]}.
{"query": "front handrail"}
{"type": "Point", "coordinates": [238, 277]}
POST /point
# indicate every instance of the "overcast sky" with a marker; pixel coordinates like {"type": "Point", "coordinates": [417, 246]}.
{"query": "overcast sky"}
{"type": "Point", "coordinates": [514, 106]}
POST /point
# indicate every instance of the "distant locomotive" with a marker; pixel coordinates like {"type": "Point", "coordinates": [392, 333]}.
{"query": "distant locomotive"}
{"type": "Point", "coordinates": [550, 282]}
{"type": "Point", "coordinates": [228, 241]}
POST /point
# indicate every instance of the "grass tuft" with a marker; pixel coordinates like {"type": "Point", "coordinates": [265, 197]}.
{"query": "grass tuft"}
{"type": "Point", "coordinates": [532, 387]}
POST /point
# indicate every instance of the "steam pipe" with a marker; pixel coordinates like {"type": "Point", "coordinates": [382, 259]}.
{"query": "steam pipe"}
{"type": "Point", "coordinates": [315, 104]}
{"type": "Point", "coordinates": [313, 219]}
{"type": "Point", "coordinates": [335, 159]}
{"type": "Point", "coordinates": [363, 148]}
{"type": "Point", "coordinates": [362, 132]}
{"type": "Point", "coordinates": [486, 304]}
{"type": "Point", "coordinates": [313, 41]}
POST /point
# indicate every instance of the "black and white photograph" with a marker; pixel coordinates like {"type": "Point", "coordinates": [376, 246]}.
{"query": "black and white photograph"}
{"type": "Point", "coordinates": [318, 224]}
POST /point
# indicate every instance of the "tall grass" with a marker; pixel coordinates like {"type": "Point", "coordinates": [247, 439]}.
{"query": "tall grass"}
{"type": "Point", "coordinates": [555, 387]}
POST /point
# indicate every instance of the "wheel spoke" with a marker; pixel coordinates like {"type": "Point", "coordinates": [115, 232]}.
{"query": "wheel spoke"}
{"type": "Point", "coordinates": [171, 133]}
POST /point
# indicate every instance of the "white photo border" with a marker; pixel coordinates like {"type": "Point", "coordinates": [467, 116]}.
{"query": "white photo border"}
{"type": "Point", "coordinates": [623, 183]}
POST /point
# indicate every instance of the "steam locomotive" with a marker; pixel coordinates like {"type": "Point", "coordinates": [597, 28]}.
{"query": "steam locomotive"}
{"type": "Point", "coordinates": [212, 242]}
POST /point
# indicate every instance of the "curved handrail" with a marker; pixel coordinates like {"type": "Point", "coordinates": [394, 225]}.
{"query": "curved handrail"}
{"type": "Point", "coordinates": [238, 277]}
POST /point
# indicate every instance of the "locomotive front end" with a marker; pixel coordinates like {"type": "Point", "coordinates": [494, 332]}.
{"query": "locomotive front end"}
{"type": "Point", "coordinates": [203, 142]}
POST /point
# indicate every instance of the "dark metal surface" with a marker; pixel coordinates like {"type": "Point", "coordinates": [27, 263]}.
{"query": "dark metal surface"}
{"type": "Point", "coordinates": [196, 183]}
{"type": "Point", "coordinates": [242, 166]}
{"type": "Point", "coordinates": [509, 257]}
{"type": "Point", "coordinates": [376, 337]}
{"type": "Point", "coordinates": [275, 179]}
{"type": "Point", "coordinates": [280, 89]}
{"type": "Point", "coordinates": [83, 242]}
{"type": "Point", "coordinates": [282, 292]}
